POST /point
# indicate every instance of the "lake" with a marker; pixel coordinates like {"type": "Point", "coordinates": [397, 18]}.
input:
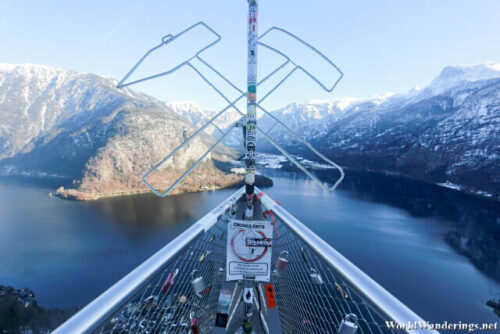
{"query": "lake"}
{"type": "Point", "coordinates": [400, 232]}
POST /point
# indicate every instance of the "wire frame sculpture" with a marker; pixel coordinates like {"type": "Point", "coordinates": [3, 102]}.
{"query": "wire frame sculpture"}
{"type": "Point", "coordinates": [231, 104]}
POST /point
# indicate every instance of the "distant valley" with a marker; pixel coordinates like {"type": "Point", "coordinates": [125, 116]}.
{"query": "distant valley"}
{"type": "Point", "coordinates": [447, 133]}
{"type": "Point", "coordinates": [78, 126]}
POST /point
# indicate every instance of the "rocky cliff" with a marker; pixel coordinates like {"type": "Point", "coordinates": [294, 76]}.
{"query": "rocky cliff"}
{"type": "Point", "coordinates": [447, 133]}
{"type": "Point", "coordinates": [79, 127]}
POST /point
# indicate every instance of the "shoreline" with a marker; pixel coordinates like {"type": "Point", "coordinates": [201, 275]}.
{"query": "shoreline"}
{"type": "Point", "coordinates": [25, 312]}
{"type": "Point", "coordinates": [463, 190]}
{"type": "Point", "coordinates": [76, 195]}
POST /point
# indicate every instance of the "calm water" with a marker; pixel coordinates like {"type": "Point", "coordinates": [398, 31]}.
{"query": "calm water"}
{"type": "Point", "coordinates": [393, 229]}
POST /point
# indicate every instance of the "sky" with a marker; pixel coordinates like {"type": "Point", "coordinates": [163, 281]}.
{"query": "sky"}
{"type": "Point", "coordinates": [381, 46]}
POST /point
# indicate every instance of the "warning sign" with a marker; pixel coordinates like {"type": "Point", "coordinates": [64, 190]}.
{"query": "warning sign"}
{"type": "Point", "coordinates": [249, 245]}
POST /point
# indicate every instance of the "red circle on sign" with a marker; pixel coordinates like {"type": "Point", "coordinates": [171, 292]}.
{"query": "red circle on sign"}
{"type": "Point", "coordinates": [243, 259]}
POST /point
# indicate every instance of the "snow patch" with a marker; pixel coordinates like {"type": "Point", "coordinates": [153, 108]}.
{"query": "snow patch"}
{"type": "Point", "coordinates": [450, 185]}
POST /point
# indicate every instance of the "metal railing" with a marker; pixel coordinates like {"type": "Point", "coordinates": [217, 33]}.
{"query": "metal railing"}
{"type": "Point", "coordinates": [303, 305]}
{"type": "Point", "coordinates": [309, 251]}
{"type": "Point", "coordinates": [94, 315]}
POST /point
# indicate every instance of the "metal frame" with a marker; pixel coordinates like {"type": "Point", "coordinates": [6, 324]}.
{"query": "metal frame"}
{"type": "Point", "coordinates": [277, 121]}
{"type": "Point", "coordinates": [98, 311]}
{"type": "Point", "coordinates": [301, 41]}
{"type": "Point", "coordinates": [232, 104]}
{"type": "Point", "coordinates": [164, 41]}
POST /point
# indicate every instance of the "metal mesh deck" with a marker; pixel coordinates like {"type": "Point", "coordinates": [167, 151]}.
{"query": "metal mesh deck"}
{"type": "Point", "coordinates": [304, 307]}
{"type": "Point", "coordinates": [170, 312]}
{"type": "Point", "coordinates": [307, 307]}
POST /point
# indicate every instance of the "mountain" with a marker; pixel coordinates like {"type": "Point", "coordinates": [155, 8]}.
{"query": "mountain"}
{"type": "Point", "coordinates": [198, 116]}
{"type": "Point", "coordinates": [190, 111]}
{"type": "Point", "coordinates": [78, 126]}
{"type": "Point", "coordinates": [313, 119]}
{"type": "Point", "coordinates": [447, 133]}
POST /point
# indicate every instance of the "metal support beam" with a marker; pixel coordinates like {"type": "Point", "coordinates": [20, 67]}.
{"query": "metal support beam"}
{"type": "Point", "coordinates": [251, 126]}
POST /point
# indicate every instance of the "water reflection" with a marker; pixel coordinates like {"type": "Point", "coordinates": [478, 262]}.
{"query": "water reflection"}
{"type": "Point", "coordinates": [147, 211]}
{"type": "Point", "coordinates": [475, 232]}
{"type": "Point", "coordinates": [392, 228]}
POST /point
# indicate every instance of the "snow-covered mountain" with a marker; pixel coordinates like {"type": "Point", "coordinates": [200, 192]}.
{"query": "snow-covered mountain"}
{"type": "Point", "coordinates": [198, 116]}
{"type": "Point", "coordinates": [35, 100]}
{"type": "Point", "coordinates": [79, 126]}
{"type": "Point", "coordinates": [190, 111]}
{"type": "Point", "coordinates": [454, 76]}
{"type": "Point", "coordinates": [447, 133]}
{"type": "Point", "coordinates": [313, 119]}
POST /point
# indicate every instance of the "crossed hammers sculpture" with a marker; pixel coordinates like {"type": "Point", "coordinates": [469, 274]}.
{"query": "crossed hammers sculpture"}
{"type": "Point", "coordinates": [166, 40]}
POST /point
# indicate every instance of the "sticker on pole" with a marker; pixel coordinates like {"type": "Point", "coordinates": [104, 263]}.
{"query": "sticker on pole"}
{"type": "Point", "coordinates": [249, 249]}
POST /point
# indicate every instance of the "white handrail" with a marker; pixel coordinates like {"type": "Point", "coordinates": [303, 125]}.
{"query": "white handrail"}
{"type": "Point", "coordinates": [99, 310]}
{"type": "Point", "coordinates": [370, 291]}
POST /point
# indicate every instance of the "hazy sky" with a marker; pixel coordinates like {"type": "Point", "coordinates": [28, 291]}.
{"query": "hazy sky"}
{"type": "Point", "coordinates": [382, 46]}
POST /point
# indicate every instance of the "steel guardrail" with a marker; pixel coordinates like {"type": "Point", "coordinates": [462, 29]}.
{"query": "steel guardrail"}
{"type": "Point", "coordinates": [373, 293]}
{"type": "Point", "coordinates": [100, 309]}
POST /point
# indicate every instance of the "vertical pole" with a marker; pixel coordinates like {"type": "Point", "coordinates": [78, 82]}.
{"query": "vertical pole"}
{"type": "Point", "coordinates": [251, 125]}
{"type": "Point", "coordinates": [250, 142]}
